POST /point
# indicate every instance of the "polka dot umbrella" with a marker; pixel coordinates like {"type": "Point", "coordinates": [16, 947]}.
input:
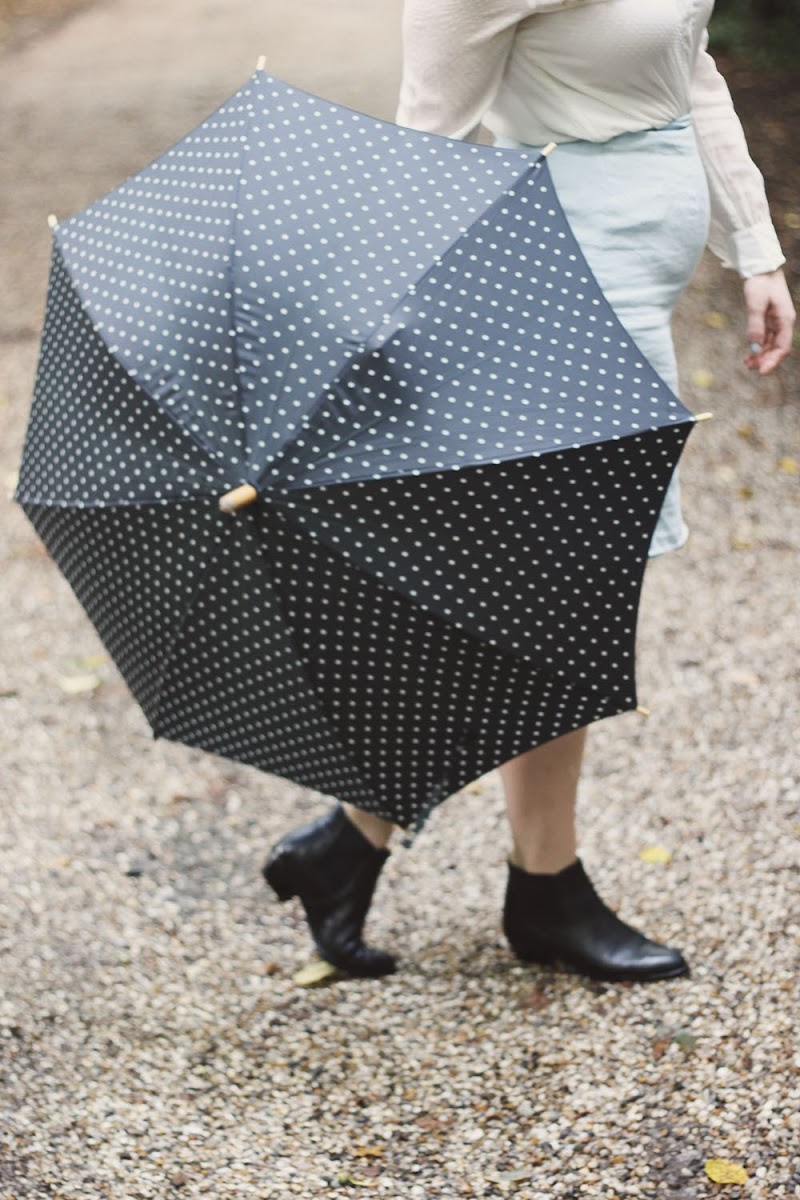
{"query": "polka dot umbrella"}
{"type": "Point", "coordinates": [391, 343]}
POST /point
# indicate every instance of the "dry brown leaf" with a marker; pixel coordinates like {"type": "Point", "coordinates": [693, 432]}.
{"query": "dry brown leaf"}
{"type": "Point", "coordinates": [720, 1170]}
{"type": "Point", "coordinates": [715, 320]}
{"type": "Point", "coordinates": [655, 854]}
{"type": "Point", "coordinates": [744, 678]}
{"type": "Point", "coordinates": [368, 1151]}
{"type": "Point", "coordinates": [430, 1124]}
{"type": "Point", "coordinates": [660, 1046]}
{"type": "Point", "coordinates": [789, 465]}
{"type": "Point", "coordinates": [314, 973]}
{"type": "Point", "coordinates": [76, 685]}
{"type": "Point", "coordinates": [702, 378]}
{"type": "Point", "coordinates": [747, 432]}
{"type": "Point", "coordinates": [90, 662]}
{"type": "Point", "coordinates": [535, 1000]}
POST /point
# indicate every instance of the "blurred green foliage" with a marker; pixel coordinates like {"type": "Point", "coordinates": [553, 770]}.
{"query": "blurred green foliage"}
{"type": "Point", "coordinates": [765, 33]}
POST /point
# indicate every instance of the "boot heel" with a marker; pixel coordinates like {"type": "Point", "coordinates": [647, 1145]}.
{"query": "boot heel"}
{"type": "Point", "coordinates": [560, 920]}
{"type": "Point", "coordinates": [332, 868]}
{"type": "Point", "coordinates": [531, 953]}
{"type": "Point", "coordinates": [278, 875]}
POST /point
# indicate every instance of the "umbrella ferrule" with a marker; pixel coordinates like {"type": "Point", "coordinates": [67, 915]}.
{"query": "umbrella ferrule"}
{"type": "Point", "coordinates": [238, 497]}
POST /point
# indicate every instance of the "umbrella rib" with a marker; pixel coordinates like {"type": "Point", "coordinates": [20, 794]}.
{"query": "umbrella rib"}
{"type": "Point", "coordinates": [302, 658]}
{"type": "Point", "coordinates": [178, 630]}
{"type": "Point", "coordinates": [387, 327]}
{"type": "Point", "coordinates": [382, 330]}
{"type": "Point", "coordinates": [369, 476]}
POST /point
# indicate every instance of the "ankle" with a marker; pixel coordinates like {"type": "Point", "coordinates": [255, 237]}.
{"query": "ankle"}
{"type": "Point", "coordinates": [542, 863]}
{"type": "Point", "coordinates": [375, 829]}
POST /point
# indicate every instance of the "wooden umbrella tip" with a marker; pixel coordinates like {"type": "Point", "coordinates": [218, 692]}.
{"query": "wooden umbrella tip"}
{"type": "Point", "coordinates": [703, 417]}
{"type": "Point", "coordinates": [238, 497]}
{"type": "Point", "coordinates": [549, 148]}
{"type": "Point", "coordinates": [52, 220]}
{"type": "Point", "coordinates": [642, 711]}
{"type": "Point", "coordinates": [262, 62]}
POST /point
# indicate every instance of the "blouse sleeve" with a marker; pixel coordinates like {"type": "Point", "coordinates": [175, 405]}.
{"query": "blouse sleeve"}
{"type": "Point", "coordinates": [454, 53]}
{"type": "Point", "coordinates": [742, 234]}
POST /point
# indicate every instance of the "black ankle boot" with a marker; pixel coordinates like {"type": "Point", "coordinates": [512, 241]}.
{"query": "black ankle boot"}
{"type": "Point", "coordinates": [333, 869]}
{"type": "Point", "coordinates": [561, 919]}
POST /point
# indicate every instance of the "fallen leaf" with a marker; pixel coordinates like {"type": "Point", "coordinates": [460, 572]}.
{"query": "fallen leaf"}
{"type": "Point", "coordinates": [685, 1039]}
{"type": "Point", "coordinates": [353, 1180]}
{"type": "Point", "coordinates": [368, 1151]}
{"type": "Point", "coordinates": [535, 1000]}
{"type": "Point", "coordinates": [719, 1170]}
{"type": "Point", "coordinates": [791, 219]}
{"type": "Point", "coordinates": [660, 1046]}
{"type": "Point", "coordinates": [90, 662]}
{"type": "Point", "coordinates": [75, 685]}
{"type": "Point", "coordinates": [655, 854]}
{"type": "Point", "coordinates": [789, 465]}
{"type": "Point", "coordinates": [701, 378]}
{"type": "Point", "coordinates": [430, 1124]}
{"type": "Point", "coordinates": [715, 320]}
{"type": "Point", "coordinates": [518, 1176]}
{"type": "Point", "coordinates": [314, 973]}
{"type": "Point", "coordinates": [743, 537]}
{"type": "Point", "coordinates": [743, 678]}
{"type": "Point", "coordinates": [745, 493]}
{"type": "Point", "coordinates": [747, 431]}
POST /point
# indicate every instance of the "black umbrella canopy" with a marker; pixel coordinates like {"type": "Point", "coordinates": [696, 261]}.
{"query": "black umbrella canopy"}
{"type": "Point", "coordinates": [459, 453]}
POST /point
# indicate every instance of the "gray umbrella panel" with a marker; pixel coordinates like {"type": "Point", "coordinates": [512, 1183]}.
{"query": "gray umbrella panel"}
{"type": "Point", "coordinates": [396, 338]}
{"type": "Point", "coordinates": [240, 271]}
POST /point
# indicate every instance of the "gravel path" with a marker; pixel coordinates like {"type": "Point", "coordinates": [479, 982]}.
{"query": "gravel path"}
{"type": "Point", "coordinates": [152, 1041]}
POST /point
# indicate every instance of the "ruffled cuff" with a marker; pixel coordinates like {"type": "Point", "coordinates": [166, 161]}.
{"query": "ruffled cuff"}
{"type": "Point", "coordinates": [751, 251]}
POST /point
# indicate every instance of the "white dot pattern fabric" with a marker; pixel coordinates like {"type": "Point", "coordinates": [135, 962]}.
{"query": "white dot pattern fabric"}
{"type": "Point", "coordinates": [459, 452]}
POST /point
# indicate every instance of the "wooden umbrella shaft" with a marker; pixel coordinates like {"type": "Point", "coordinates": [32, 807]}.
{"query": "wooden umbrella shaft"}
{"type": "Point", "coordinates": [238, 497]}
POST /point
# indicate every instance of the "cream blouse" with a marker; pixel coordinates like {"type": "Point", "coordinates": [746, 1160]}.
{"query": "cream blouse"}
{"type": "Point", "coordinates": [568, 70]}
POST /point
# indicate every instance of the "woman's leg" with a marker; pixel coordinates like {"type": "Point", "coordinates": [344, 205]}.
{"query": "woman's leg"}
{"type": "Point", "coordinates": [540, 787]}
{"type": "Point", "coordinates": [552, 912]}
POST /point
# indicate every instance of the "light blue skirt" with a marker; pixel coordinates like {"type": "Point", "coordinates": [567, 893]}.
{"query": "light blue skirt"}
{"type": "Point", "coordinates": [638, 205]}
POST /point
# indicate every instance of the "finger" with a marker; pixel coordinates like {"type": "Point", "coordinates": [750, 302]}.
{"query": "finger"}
{"type": "Point", "coordinates": [779, 349]}
{"type": "Point", "coordinates": [771, 359]}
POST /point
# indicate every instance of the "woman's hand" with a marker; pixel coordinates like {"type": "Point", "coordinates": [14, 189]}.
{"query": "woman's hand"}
{"type": "Point", "coordinates": [770, 320]}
